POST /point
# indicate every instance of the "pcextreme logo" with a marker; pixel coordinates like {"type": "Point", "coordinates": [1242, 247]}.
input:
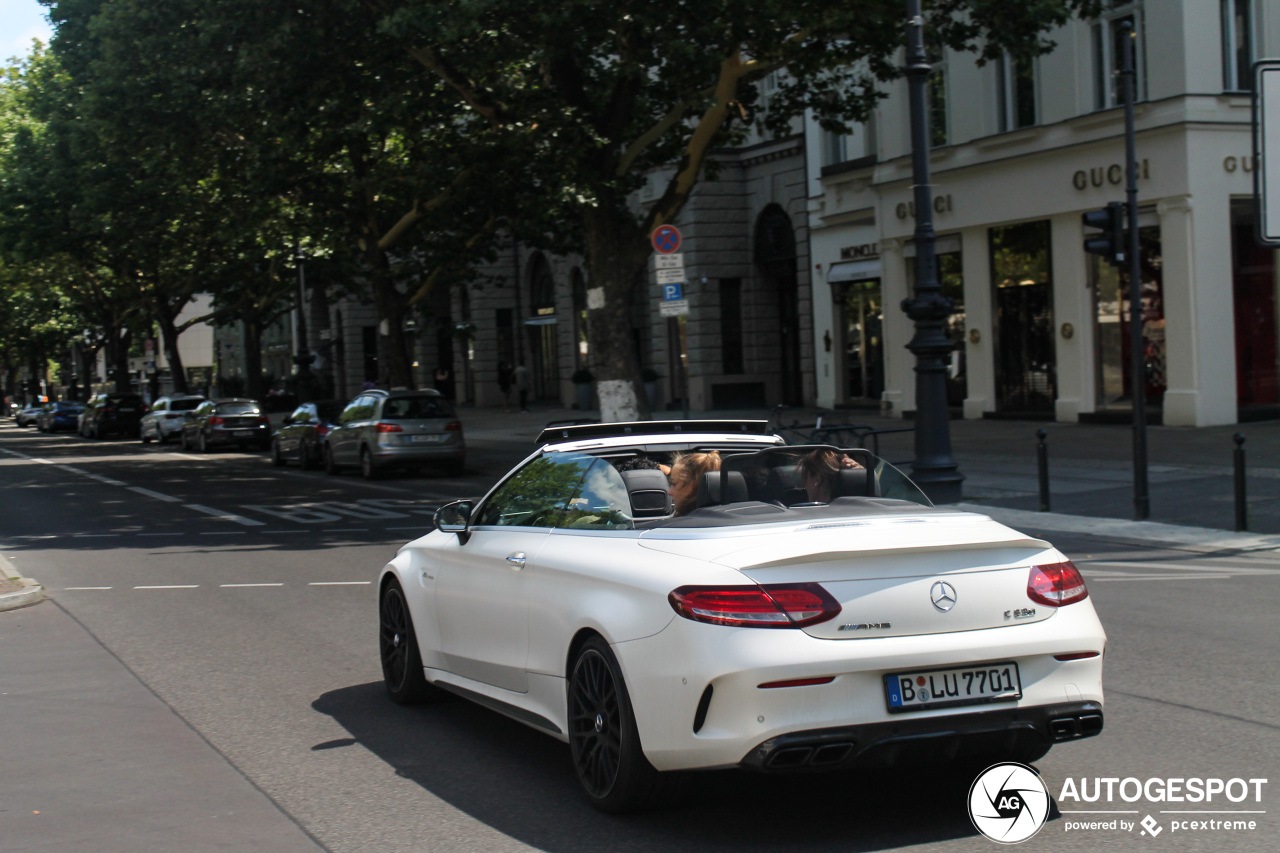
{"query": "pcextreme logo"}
{"type": "Point", "coordinates": [1008, 803]}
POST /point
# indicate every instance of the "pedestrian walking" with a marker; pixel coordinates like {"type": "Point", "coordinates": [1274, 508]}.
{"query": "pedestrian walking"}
{"type": "Point", "coordinates": [504, 384]}
{"type": "Point", "coordinates": [521, 379]}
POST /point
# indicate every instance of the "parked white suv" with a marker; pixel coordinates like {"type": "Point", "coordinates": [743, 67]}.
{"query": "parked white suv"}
{"type": "Point", "coordinates": [164, 419]}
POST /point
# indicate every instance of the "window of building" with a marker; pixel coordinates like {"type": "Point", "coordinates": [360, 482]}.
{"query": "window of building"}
{"type": "Point", "coordinates": [835, 148]}
{"type": "Point", "coordinates": [1016, 91]}
{"type": "Point", "coordinates": [731, 342]}
{"type": "Point", "coordinates": [1237, 45]}
{"type": "Point", "coordinates": [936, 93]}
{"type": "Point", "coordinates": [1109, 34]}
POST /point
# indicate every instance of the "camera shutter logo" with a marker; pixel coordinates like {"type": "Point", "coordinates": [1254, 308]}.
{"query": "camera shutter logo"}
{"type": "Point", "coordinates": [1008, 803]}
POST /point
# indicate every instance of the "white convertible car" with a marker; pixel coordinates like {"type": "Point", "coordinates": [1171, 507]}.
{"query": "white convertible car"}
{"type": "Point", "coordinates": [763, 629]}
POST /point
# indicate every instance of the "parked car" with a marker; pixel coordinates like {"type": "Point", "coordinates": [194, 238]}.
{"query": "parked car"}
{"type": "Point", "coordinates": [165, 417]}
{"type": "Point", "coordinates": [105, 414]}
{"type": "Point", "coordinates": [64, 414]}
{"type": "Point", "coordinates": [303, 436]}
{"type": "Point", "coordinates": [380, 430]}
{"type": "Point", "coordinates": [27, 415]}
{"type": "Point", "coordinates": [762, 628]}
{"type": "Point", "coordinates": [231, 421]}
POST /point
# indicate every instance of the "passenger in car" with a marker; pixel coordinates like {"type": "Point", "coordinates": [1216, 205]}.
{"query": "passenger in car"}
{"type": "Point", "coordinates": [820, 470]}
{"type": "Point", "coordinates": [686, 471]}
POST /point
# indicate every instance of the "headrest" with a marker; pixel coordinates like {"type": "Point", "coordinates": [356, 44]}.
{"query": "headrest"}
{"type": "Point", "coordinates": [709, 488]}
{"type": "Point", "coordinates": [853, 482]}
{"type": "Point", "coordinates": [647, 489]}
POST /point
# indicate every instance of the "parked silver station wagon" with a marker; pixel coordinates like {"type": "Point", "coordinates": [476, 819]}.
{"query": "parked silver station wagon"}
{"type": "Point", "coordinates": [381, 430]}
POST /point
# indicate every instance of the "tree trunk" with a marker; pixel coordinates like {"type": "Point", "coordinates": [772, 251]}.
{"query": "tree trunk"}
{"type": "Point", "coordinates": [118, 361]}
{"type": "Point", "coordinates": [617, 257]}
{"type": "Point", "coordinates": [169, 339]}
{"type": "Point", "coordinates": [392, 305]}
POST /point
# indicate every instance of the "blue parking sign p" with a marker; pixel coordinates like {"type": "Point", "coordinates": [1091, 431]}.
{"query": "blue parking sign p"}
{"type": "Point", "coordinates": [672, 292]}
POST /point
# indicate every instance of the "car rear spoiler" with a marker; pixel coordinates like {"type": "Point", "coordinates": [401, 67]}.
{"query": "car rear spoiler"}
{"type": "Point", "coordinates": [555, 433]}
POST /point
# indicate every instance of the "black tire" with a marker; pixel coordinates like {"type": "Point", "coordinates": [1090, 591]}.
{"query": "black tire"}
{"type": "Point", "coordinates": [398, 648]}
{"type": "Point", "coordinates": [367, 469]}
{"type": "Point", "coordinates": [610, 765]}
{"type": "Point", "coordinates": [162, 437]}
{"type": "Point", "coordinates": [308, 457]}
{"type": "Point", "coordinates": [202, 443]}
{"type": "Point", "coordinates": [186, 445]}
{"type": "Point", "coordinates": [276, 459]}
{"type": "Point", "coordinates": [146, 439]}
{"type": "Point", "coordinates": [98, 432]}
{"type": "Point", "coordinates": [330, 464]}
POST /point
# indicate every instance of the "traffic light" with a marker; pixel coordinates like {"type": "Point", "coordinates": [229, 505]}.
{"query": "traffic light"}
{"type": "Point", "coordinates": [1110, 243]}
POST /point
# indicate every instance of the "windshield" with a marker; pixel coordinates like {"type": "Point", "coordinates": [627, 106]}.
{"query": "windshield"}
{"type": "Point", "coordinates": [185, 405]}
{"type": "Point", "coordinates": [416, 408]}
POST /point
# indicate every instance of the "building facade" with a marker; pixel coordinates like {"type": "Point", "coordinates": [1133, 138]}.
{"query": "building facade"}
{"type": "Point", "coordinates": [1021, 149]}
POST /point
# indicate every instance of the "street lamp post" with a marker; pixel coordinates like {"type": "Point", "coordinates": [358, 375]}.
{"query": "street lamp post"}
{"type": "Point", "coordinates": [303, 358]}
{"type": "Point", "coordinates": [934, 470]}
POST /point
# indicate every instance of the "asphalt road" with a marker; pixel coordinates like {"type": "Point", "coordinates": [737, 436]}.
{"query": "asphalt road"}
{"type": "Point", "coordinates": [206, 677]}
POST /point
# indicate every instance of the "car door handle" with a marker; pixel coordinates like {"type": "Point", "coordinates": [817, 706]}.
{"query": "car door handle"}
{"type": "Point", "coordinates": [516, 560]}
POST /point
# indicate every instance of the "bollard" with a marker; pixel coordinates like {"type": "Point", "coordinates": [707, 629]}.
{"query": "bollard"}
{"type": "Point", "coordinates": [1042, 460]}
{"type": "Point", "coordinates": [1242, 506]}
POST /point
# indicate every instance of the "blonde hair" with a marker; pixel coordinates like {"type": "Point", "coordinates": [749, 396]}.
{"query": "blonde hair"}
{"type": "Point", "coordinates": [691, 466]}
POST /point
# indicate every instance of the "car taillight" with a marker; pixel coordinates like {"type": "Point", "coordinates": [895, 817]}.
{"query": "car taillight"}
{"type": "Point", "coordinates": [383, 427]}
{"type": "Point", "coordinates": [1056, 584]}
{"type": "Point", "coordinates": [764, 606]}
{"type": "Point", "coordinates": [322, 430]}
{"type": "Point", "coordinates": [264, 420]}
{"type": "Point", "coordinates": [453, 426]}
{"type": "Point", "coordinates": [217, 421]}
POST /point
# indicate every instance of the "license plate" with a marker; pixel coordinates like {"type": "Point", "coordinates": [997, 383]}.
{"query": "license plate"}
{"type": "Point", "coordinates": [942, 688]}
{"type": "Point", "coordinates": [126, 409]}
{"type": "Point", "coordinates": [243, 433]}
{"type": "Point", "coordinates": [427, 438]}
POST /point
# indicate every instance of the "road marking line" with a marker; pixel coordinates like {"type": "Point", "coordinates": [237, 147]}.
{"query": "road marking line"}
{"type": "Point", "coordinates": [339, 583]}
{"type": "Point", "coordinates": [32, 536]}
{"type": "Point", "coordinates": [229, 585]}
{"type": "Point", "coordinates": [172, 586]}
{"type": "Point", "coordinates": [225, 516]}
{"type": "Point", "coordinates": [156, 495]}
{"type": "Point", "coordinates": [159, 534]}
{"type": "Point", "coordinates": [86, 587]}
{"type": "Point", "coordinates": [225, 533]}
{"type": "Point", "coordinates": [98, 477]}
{"type": "Point", "coordinates": [284, 531]}
{"type": "Point", "coordinates": [96, 535]}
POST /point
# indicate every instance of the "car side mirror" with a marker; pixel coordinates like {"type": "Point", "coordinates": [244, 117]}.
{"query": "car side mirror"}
{"type": "Point", "coordinates": [455, 518]}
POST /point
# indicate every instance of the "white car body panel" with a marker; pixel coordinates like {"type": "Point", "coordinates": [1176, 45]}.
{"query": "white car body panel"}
{"type": "Point", "coordinates": [503, 633]}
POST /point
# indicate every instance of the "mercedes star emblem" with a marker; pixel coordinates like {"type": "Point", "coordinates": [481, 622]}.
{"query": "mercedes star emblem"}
{"type": "Point", "coordinates": [943, 596]}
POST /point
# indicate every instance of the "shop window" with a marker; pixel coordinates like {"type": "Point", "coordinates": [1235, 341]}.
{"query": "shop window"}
{"type": "Point", "coordinates": [1016, 91]}
{"type": "Point", "coordinates": [1253, 273]}
{"type": "Point", "coordinates": [1026, 360]}
{"type": "Point", "coordinates": [1237, 45]}
{"type": "Point", "coordinates": [1114, 364]}
{"type": "Point", "coordinates": [1109, 34]}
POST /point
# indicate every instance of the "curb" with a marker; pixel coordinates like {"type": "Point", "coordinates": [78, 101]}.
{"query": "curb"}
{"type": "Point", "coordinates": [1200, 539]}
{"type": "Point", "coordinates": [31, 594]}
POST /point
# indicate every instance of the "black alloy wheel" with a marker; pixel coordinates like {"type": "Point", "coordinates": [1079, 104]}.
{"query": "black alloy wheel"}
{"type": "Point", "coordinates": [398, 649]}
{"type": "Point", "coordinates": [608, 759]}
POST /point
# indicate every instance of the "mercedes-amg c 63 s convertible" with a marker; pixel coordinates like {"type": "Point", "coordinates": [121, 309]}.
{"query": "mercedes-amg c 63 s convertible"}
{"type": "Point", "coordinates": [767, 627]}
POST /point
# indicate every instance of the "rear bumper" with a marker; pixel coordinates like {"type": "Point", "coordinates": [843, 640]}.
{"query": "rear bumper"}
{"type": "Point", "coordinates": [1013, 732]}
{"type": "Point", "coordinates": [387, 455]}
{"type": "Point", "coordinates": [259, 435]}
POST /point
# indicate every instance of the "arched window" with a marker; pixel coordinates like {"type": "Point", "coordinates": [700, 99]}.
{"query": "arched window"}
{"type": "Point", "coordinates": [775, 256]}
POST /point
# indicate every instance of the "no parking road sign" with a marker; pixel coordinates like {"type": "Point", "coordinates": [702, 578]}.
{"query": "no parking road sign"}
{"type": "Point", "coordinates": [666, 239]}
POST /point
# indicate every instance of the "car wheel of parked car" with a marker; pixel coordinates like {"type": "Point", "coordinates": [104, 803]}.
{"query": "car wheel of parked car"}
{"type": "Point", "coordinates": [97, 432]}
{"type": "Point", "coordinates": [610, 765]}
{"type": "Point", "coordinates": [398, 648]}
{"type": "Point", "coordinates": [146, 439]}
{"type": "Point", "coordinates": [183, 441]}
{"type": "Point", "coordinates": [308, 457]}
{"type": "Point", "coordinates": [276, 459]}
{"type": "Point", "coordinates": [330, 464]}
{"type": "Point", "coordinates": [367, 469]}
{"type": "Point", "coordinates": [202, 444]}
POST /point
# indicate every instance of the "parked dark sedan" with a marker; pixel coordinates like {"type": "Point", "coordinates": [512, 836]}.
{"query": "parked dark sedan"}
{"type": "Point", "coordinates": [304, 434]}
{"type": "Point", "coordinates": [230, 421]}
{"type": "Point", "coordinates": [64, 414]}
{"type": "Point", "coordinates": [105, 414]}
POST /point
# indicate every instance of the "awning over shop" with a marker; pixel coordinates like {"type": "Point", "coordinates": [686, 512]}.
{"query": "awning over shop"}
{"type": "Point", "coordinates": [847, 271]}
